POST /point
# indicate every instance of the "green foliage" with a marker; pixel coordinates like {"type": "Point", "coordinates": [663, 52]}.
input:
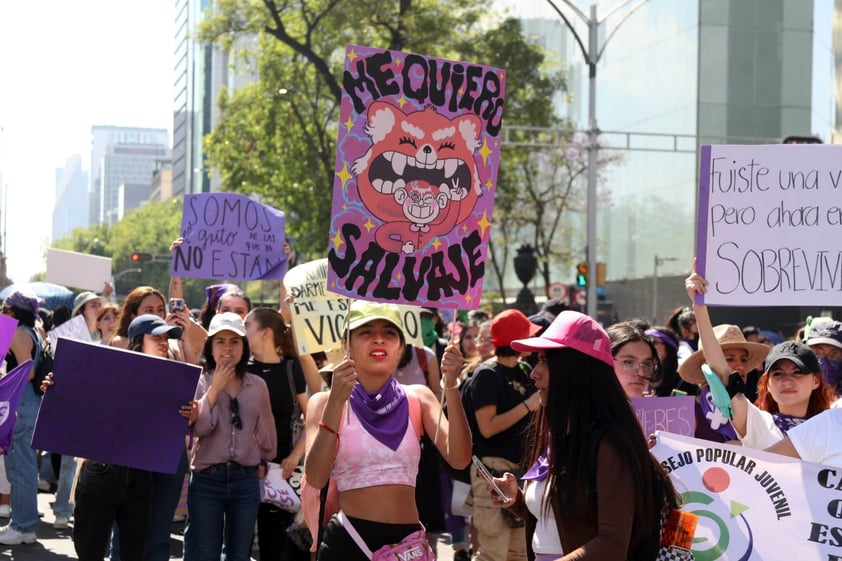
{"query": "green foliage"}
{"type": "Point", "coordinates": [276, 138]}
{"type": "Point", "coordinates": [149, 229]}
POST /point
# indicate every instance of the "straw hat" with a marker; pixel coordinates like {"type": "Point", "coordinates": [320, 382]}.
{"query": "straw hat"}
{"type": "Point", "coordinates": [729, 337]}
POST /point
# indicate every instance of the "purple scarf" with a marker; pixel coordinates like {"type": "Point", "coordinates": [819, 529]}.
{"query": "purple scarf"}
{"type": "Point", "coordinates": [540, 469]}
{"type": "Point", "coordinates": [787, 422]}
{"type": "Point", "coordinates": [830, 373]}
{"type": "Point", "coordinates": [384, 414]}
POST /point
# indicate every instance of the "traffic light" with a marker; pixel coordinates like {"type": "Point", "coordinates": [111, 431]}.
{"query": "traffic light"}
{"type": "Point", "coordinates": [796, 139]}
{"type": "Point", "coordinates": [141, 257]}
{"type": "Point", "coordinates": [582, 274]}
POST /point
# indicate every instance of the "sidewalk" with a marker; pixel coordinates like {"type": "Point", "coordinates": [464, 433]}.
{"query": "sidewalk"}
{"type": "Point", "coordinates": [57, 545]}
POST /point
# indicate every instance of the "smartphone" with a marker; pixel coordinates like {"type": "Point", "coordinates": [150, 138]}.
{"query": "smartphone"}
{"type": "Point", "coordinates": [176, 304]}
{"type": "Point", "coordinates": [483, 471]}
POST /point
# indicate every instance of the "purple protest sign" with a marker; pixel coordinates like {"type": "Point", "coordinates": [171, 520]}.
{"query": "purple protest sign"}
{"type": "Point", "coordinates": [416, 166]}
{"type": "Point", "coordinates": [116, 406]}
{"type": "Point", "coordinates": [11, 392]}
{"type": "Point", "coordinates": [229, 236]}
{"type": "Point", "coordinates": [669, 414]}
{"type": "Point", "coordinates": [8, 324]}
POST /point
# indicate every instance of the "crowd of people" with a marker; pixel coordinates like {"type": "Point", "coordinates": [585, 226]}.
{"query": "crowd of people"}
{"type": "Point", "coordinates": [387, 434]}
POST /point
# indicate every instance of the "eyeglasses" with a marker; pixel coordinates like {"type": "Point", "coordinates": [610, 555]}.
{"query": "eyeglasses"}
{"type": "Point", "coordinates": [646, 369]}
{"type": "Point", "coordinates": [236, 421]}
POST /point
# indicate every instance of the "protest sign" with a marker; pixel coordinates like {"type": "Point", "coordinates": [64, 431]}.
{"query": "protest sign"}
{"type": "Point", "coordinates": [11, 392]}
{"type": "Point", "coordinates": [229, 236]}
{"type": "Point", "coordinates": [79, 270]}
{"type": "Point", "coordinates": [8, 325]}
{"type": "Point", "coordinates": [669, 414]}
{"type": "Point", "coordinates": [75, 328]}
{"type": "Point", "coordinates": [416, 166]}
{"type": "Point", "coordinates": [769, 223]}
{"type": "Point", "coordinates": [318, 316]}
{"type": "Point", "coordinates": [116, 406]}
{"type": "Point", "coordinates": [752, 504]}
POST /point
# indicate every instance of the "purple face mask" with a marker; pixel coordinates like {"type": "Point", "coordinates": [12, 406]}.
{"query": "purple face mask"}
{"type": "Point", "coordinates": [830, 372]}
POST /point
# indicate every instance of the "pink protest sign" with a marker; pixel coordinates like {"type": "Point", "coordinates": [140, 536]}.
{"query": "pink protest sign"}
{"type": "Point", "coordinates": [8, 325]}
{"type": "Point", "coordinates": [416, 166]}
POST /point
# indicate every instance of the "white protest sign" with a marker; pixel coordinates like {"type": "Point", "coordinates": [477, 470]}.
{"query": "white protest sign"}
{"type": "Point", "coordinates": [753, 505]}
{"type": "Point", "coordinates": [770, 219]}
{"type": "Point", "coordinates": [75, 328]}
{"type": "Point", "coordinates": [79, 270]}
{"type": "Point", "coordinates": [318, 316]}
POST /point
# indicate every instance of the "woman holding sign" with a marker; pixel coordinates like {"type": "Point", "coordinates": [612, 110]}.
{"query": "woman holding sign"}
{"type": "Point", "coordinates": [790, 391]}
{"type": "Point", "coordinates": [235, 433]}
{"type": "Point", "coordinates": [365, 434]}
{"type": "Point", "coordinates": [593, 492]}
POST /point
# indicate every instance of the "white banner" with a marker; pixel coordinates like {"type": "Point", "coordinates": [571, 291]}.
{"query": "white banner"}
{"type": "Point", "coordinates": [75, 328]}
{"type": "Point", "coordinates": [753, 505]}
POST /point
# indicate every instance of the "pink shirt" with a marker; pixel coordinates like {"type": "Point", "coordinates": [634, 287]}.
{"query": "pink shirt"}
{"type": "Point", "coordinates": [363, 461]}
{"type": "Point", "coordinates": [218, 441]}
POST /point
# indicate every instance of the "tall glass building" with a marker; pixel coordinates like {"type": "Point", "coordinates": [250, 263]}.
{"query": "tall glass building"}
{"type": "Point", "coordinates": [675, 75]}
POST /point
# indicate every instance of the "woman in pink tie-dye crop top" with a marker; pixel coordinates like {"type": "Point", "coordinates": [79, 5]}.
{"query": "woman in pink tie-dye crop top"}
{"type": "Point", "coordinates": [360, 432]}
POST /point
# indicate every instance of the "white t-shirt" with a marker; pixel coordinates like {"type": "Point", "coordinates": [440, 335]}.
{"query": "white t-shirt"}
{"type": "Point", "coordinates": [761, 430]}
{"type": "Point", "coordinates": [545, 539]}
{"type": "Point", "coordinates": [817, 439]}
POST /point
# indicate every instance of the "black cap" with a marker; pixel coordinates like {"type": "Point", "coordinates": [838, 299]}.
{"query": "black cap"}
{"type": "Point", "coordinates": [150, 324]}
{"type": "Point", "coordinates": [799, 353]}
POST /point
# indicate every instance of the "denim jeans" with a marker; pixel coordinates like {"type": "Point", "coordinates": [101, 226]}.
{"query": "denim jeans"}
{"type": "Point", "coordinates": [166, 491]}
{"type": "Point", "coordinates": [21, 464]}
{"type": "Point", "coordinates": [62, 505]}
{"type": "Point", "coordinates": [222, 498]}
{"type": "Point", "coordinates": [107, 493]}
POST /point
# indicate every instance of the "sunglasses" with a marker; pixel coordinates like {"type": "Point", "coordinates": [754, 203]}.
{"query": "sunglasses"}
{"type": "Point", "coordinates": [236, 421]}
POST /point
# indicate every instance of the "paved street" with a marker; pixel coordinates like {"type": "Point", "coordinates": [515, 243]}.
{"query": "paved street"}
{"type": "Point", "coordinates": [56, 545]}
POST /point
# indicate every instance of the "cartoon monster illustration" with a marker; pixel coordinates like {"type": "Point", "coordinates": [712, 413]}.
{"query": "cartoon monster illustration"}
{"type": "Point", "coordinates": [419, 176]}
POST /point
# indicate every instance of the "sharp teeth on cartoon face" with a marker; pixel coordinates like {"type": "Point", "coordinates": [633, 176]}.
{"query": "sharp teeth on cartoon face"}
{"type": "Point", "coordinates": [411, 161]}
{"type": "Point", "coordinates": [388, 187]}
{"type": "Point", "coordinates": [431, 165]}
{"type": "Point", "coordinates": [450, 166]}
{"type": "Point", "coordinates": [378, 184]}
{"type": "Point", "coordinates": [398, 184]}
{"type": "Point", "coordinates": [439, 164]}
{"type": "Point", "coordinates": [398, 163]}
{"type": "Point", "coordinates": [388, 155]}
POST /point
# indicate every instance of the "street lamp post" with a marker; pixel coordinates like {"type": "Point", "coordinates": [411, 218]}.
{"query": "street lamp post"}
{"type": "Point", "coordinates": [592, 55]}
{"type": "Point", "coordinates": [658, 262]}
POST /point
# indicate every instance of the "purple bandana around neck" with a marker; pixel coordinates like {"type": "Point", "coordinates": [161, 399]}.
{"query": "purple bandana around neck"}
{"type": "Point", "coordinates": [384, 414]}
{"type": "Point", "coordinates": [787, 422]}
{"type": "Point", "coordinates": [540, 469]}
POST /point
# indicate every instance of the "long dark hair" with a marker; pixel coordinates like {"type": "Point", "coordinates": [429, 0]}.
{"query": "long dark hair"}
{"type": "Point", "coordinates": [669, 366]}
{"type": "Point", "coordinates": [281, 332]}
{"type": "Point", "coordinates": [208, 363]}
{"type": "Point", "coordinates": [623, 333]}
{"type": "Point", "coordinates": [587, 407]}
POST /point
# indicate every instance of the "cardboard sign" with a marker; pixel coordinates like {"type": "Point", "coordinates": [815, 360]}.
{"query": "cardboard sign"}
{"type": "Point", "coordinates": [318, 316]}
{"type": "Point", "coordinates": [416, 166]}
{"type": "Point", "coordinates": [116, 406]}
{"type": "Point", "coordinates": [79, 270]}
{"type": "Point", "coordinates": [75, 328]}
{"type": "Point", "coordinates": [752, 504]}
{"type": "Point", "coordinates": [770, 218]}
{"type": "Point", "coordinates": [229, 236]}
{"type": "Point", "coordinates": [669, 414]}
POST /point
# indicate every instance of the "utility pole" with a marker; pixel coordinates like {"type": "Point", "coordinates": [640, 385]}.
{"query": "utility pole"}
{"type": "Point", "coordinates": [592, 54]}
